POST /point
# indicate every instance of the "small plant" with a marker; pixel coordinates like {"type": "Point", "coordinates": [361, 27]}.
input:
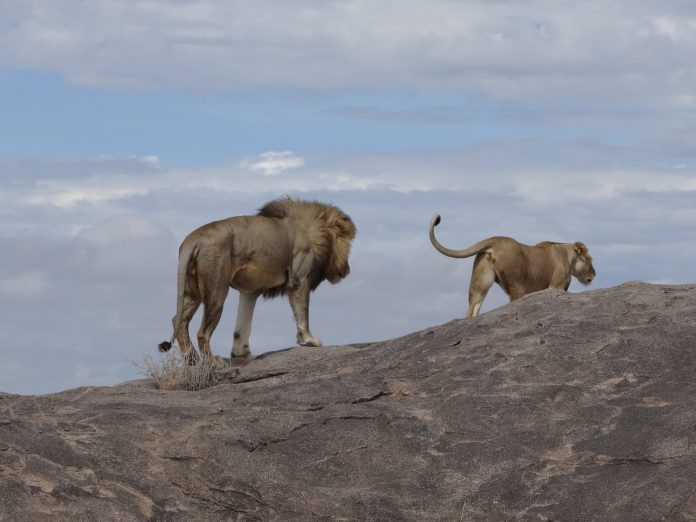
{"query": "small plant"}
{"type": "Point", "coordinates": [170, 372]}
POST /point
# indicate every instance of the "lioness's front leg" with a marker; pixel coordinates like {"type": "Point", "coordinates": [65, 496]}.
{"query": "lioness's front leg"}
{"type": "Point", "coordinates": [242, 329]}
{"type": "Point", "coordinates": [299, 302]}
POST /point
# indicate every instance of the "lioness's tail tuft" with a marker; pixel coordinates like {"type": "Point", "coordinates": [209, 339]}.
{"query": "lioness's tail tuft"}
{"type": "Point", "coordinates": [435, 221]}
{"type": "Point", "coordinates": [165, 346]}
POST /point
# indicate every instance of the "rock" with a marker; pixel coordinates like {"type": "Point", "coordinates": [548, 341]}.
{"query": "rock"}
{"type": "Point", "coordinates": [563, 407]}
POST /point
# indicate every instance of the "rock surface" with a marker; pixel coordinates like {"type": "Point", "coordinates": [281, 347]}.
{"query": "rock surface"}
{"type": "Point", "coordinates": [563, 407]}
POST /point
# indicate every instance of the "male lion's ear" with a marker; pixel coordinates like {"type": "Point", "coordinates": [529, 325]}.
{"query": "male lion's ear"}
{"type": "Point", "coordinates": [580, 248]}
{"type": "Point", "coordinates": [343, 226]}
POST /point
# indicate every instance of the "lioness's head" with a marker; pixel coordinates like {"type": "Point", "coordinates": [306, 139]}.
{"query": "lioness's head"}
{"type": "Point", "coordinates": [581, 267]}
{"type": "Point", "coordinates": [342, 231]}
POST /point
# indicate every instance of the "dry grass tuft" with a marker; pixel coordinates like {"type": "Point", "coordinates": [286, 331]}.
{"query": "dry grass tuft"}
{"type": "Point", "coordinates": [170, 372]}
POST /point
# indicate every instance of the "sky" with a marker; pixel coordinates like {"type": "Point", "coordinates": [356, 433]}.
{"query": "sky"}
{"type": "Point", "coordinates": [125, 125]}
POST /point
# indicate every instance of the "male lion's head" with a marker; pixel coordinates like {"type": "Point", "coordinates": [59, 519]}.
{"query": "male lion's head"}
{"type": "Point", "coordinates": [342, 232]}
{"type": "Point", "coordinates": [328, 230]}
{"type": "Point", "coordinates": [581, 266]}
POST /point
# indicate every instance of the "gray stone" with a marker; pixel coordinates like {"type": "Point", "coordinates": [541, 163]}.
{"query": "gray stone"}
{"type": "Point", "coordinates": [563, 407]}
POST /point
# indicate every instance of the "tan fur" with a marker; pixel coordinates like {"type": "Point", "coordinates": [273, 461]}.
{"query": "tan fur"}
{"type": "Point", "coordinates": [519, 269]}
{"type": "Point", "coordinates": [289, 247]}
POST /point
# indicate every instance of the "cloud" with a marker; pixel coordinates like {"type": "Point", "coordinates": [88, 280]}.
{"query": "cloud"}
{"type": "Point", "coordinates": [65, 196]}
{"type": "Point", "coordinates": [26, 285]}
{"type": "Point", "coordinates": [131, 227]}
{"type": "Point", "coordinates": [523, 50]}
{"type": "Point", "coordinates": [538, 171]}
{"type": "Point", "coordinates": [273, 163]}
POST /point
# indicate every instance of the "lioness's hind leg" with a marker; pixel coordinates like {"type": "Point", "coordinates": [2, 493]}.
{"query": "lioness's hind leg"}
{"type": "Point", "coordinates": [482, 278]}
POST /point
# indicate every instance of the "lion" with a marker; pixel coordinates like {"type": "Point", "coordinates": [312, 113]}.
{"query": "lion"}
{"type": "Point", "coordinates": [288, 248]}
{"type": "Point", "coordinates": [519, 269]}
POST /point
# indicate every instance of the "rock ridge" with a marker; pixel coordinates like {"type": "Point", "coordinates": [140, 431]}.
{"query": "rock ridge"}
{"type": "Point", "coordinates": [557, 407]}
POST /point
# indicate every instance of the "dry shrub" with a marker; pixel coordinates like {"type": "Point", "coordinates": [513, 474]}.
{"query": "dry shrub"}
{"type": "Point", "coordinates": [170, 372]}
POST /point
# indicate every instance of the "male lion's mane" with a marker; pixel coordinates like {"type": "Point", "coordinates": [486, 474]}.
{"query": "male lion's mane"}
{"type": "Point", "coordinates": [328, 231]}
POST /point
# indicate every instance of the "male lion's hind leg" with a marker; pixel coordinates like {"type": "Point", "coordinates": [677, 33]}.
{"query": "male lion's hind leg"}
{"type": "Point", "coordinates": [212, 311]}
{"type": "Point", "coordinates": [299, 302]}
{"type": "Point", "coordinates": [181, 331]}
{"type": "Point", "coordinates": [482, 278]}
{"type": "Point", "coordinates": [242, 329]}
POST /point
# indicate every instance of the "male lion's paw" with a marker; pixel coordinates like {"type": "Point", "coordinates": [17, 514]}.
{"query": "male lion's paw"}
{"type": "Point", "coordinates": [219, 363]}
{"type": "Point", "coordinates": [240, 360]}
{"type": "Point", "coordinates": [191, 358]}
{"type": "Point", "coordinates": [308, 341]}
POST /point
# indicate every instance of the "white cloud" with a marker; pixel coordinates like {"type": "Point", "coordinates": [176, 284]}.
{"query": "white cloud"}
{"type": "Point", "coordinates": [274, 163]}
{"type": "Point", "coordinates": [522, 169]}
{"type": "Point", "coordinates": [26, 285]}
{"type": "Point", "coordinates": [66, 195]}
{"type": "Point", "coordinates": [528, 50]}
{"type": "Point", "coordinates": [152, 160]}
{"type": "Point", "coordinates": [119, 228]}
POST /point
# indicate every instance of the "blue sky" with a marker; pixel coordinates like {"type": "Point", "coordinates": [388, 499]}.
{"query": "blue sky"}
{"type": "Point", "coordinates": [78, 121]}
{"type": "Point", "coordinates": [124, 126]}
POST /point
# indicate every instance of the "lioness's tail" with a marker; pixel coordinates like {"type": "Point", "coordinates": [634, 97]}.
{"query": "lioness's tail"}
{"type": "Point", "coordinates": [186, 253]}
{"type": "Point", "coordinates": [466, 252]}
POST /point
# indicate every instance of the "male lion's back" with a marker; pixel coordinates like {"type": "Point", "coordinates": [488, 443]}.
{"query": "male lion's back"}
{"type": "Point", "coordinates": [245, 235]}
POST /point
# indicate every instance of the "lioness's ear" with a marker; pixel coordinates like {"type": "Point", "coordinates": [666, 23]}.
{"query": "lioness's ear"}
{"type": "Point", "coordinates": [580, 248]}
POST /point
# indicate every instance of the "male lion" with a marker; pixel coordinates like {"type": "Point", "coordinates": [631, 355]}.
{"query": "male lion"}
{"type": "Point", "coordinates": [519, 269]}
{"type": "Point", "coordinates": [289, 247]}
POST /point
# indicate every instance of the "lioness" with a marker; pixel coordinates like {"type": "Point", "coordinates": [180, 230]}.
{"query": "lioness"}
{"type": "Point", "coordinates": [519, 269]}
{"type": "Point", "coordinates": [289, 247]}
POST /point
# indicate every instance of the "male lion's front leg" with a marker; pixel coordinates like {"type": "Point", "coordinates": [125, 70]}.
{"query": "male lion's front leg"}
{"type": "Point", "coordinates": [299, 302]}
{"type": "Point", "coordinates": [242, 329]}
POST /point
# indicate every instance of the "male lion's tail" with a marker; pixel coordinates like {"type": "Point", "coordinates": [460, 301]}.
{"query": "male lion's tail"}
{"type": "Point", "coordinates": [466, 252]}
{"type": "Point", "coordinates": [186, 254]}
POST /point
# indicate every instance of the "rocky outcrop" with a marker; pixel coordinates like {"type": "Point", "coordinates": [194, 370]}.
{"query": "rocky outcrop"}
{"type": "Point", "coordinates": [563, 407]}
